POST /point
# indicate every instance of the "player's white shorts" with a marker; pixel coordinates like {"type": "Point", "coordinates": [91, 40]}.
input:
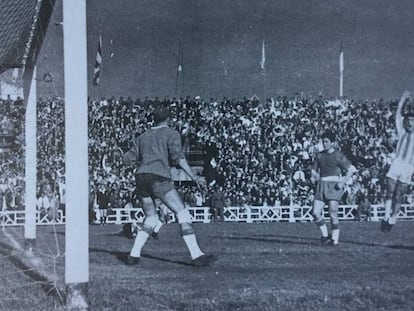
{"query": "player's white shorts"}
{"type": "Point", "coordinates": [401, 171]}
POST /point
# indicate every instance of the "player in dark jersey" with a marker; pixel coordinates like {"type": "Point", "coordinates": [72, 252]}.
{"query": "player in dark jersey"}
{"type": "Point", "coordinates": [402, 166]}
{"type": "Point", "coordinates": [327, 173]}
{"type": "Point", "coordinates": [154, 153]}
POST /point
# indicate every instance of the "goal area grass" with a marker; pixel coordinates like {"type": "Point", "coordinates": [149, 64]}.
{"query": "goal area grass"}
{"type": "Point", "coordinates": [266, 266]}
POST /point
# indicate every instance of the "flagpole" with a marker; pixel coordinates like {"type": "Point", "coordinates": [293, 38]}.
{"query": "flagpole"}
{"type": "Point", "coordinates": [224, 86]}
{"type": "Point", "coordinates": [341, 72]}
{"type": "Point", "coordinates": [262, 66]}
{"type": "Point", "coordinates": [264, 87]}
{"type": "Point", "coordinates": [179, 67]}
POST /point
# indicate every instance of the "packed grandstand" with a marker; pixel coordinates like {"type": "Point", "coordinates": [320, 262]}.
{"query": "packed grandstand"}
{"type": "Point", "coordinates": [260, 153]}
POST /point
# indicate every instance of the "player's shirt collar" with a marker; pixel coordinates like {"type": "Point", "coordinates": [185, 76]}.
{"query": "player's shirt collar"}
{"type": "Point", "coordinates": [159, 126]}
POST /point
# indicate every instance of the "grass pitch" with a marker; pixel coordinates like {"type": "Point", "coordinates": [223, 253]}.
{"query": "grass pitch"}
{"type": "Point", "coordinates": [267, 266]}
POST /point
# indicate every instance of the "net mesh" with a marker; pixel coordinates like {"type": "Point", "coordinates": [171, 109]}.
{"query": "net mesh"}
{"type": "Point", "coordinates": [16, 21]}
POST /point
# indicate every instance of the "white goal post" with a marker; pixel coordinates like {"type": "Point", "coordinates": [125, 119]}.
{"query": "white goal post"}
{"type": "Point", "coordinates": [76, 144]}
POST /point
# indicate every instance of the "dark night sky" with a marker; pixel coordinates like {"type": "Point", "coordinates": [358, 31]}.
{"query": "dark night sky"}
{"type": "Point", "coordinates": [302, 47]}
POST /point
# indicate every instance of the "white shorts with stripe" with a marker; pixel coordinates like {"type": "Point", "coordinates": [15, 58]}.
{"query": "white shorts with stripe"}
{"type": "Point", "coordinates": [401, 171]}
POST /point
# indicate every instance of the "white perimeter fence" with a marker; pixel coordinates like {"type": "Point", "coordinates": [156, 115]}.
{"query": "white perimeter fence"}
{"type": "Point", "coordinates": [251, 214]}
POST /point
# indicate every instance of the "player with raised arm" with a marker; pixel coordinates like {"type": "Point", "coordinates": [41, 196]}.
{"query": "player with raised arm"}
{"type": "Point", "coordinates": [327, 173]}
{"type": "Point", "coordinates": [402, 166]}
{"type": "Point", "coordinates": [154, 152]}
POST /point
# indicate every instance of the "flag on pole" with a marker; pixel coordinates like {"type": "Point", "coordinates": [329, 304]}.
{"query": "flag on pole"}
{"type": "Point", "coordinates": [98, 61]}
{"type": "Point", "coordinates": [263, 60]}
{"type": "Point", "coordinates": [341, 59]}
{"type": "Point", "coordinates": [341, 71]}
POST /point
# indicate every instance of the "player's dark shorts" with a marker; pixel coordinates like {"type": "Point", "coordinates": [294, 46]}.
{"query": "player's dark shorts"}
{"type": "Point", "coordinates": [328, 191]}
{"type": "Point", "coordinates": [150, 185]}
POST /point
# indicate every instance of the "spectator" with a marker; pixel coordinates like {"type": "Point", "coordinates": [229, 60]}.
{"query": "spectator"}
{"type": "Point", "coordinates": [43, 204]}
{"type": "Point", "coordinates": [102, 199]}
{"type": "Point", "coordinates": [218, 202]}
{"type": "Point", "coordinates": [246, 137]}
{"type": "Point", "coordinates": [54, 206]}
{"type": "Point", "coordinates": [364, 209]}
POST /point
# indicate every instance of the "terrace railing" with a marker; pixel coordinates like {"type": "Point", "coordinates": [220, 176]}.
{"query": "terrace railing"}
{"type": "Point", "coordinates": [247, 214]}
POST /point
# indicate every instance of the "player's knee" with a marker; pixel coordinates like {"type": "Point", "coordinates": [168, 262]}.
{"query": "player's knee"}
{"type": "Point", "coordinates": [320, 222]}
{"type": "Point", "coordinates": [149, 224]}
{"type": "Point", "coordinates": [184, 216]}
{"type": "Point", "coordinates": [397, 198]}
{"type": "Point", "coordinates": [317, 214]}
{"type": "Point", "coordinates": [333, 212]}
{"type": "Point", "coordinates": [335, 226]}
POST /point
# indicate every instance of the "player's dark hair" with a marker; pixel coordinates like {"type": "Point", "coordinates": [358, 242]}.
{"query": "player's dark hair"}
{"type": "Point", "coordinates": [408, 109]}
{"type": "Point", "coordinates": [409, 112]}
{"type": "Point", "coordinates": [161, 113]}
{"type": "Point", "coordinates": [330, 135]}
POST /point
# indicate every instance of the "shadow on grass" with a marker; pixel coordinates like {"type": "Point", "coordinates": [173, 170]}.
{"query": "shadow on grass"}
{"type": "Point", "coordinates": [297, 240]}
{"type": "Point", "coordinates": [123, 256]}
{"type": "Point", "coordinates": [116, 233]}
{"type": "Point", "coordinates": [47, 285]}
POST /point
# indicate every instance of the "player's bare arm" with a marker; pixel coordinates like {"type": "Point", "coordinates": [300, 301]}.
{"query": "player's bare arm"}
{"type": "Point", "coordinates": [315, 176]}
{"type": "Point", "coordinates": [187, 169]}
{"type": "Point", "coordinates": [131, 157]}
{"type": "Point", "coordinates": [398, 115]}
{"type": "Point", "coordinates": [349, 173]}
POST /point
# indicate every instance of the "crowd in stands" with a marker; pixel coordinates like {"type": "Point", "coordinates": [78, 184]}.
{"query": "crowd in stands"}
{"type": "Point", "coordinates": [11, 154]}
{"type": "Point", "coordinates": [258, 152]}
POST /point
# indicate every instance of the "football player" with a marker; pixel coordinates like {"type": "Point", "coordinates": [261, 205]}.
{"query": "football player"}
{"type": "Point", "coordinates": [327, 172]}
{"type": "Point", "coordinates": [402, 166]}
{"type": "Point", "coordinates": [154, 153]}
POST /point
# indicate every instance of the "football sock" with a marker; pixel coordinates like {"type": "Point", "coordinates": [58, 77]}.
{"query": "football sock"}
{"type": "Point", "coordinates": [392, 220]}
{"type": "Point", "coordinates": [190, 240]}
{"type": "Point", "coordinates": [140, 240]}
{"type": "Point", "coordinates": [324, 230]}
{"type": "Point", "coordinates": [335, 232]}
{"type": "Point", "coordinates": [134, 227]}
{"type": "Point", "coordinates": [387, 208]}
{"type": "Point", "coordinates": [322, 226]}
{"type": "Point", "coordinates": [335, 236]}
{"type": "Point", "coordinates": [158, 226]}
{"type": "Point", "coordinates": [192, 245]}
